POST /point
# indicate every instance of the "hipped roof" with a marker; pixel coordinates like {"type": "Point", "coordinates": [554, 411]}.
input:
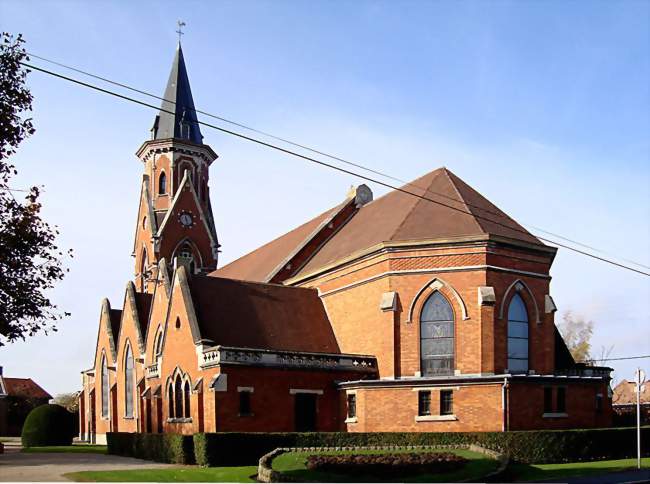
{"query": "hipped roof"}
{"type": "Point", "coordinates": [454, 210]}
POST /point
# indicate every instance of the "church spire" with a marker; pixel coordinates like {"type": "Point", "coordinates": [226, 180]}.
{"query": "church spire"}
{"type": "Point", "coordinates": [183, 123]}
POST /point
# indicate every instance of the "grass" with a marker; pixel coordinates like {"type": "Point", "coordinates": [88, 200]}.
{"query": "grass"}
{"type": "Point", "coordinates": [537, 472]}
{"type": "Point", "coordinates": [292, 465]}
{"type": "Point", "coordinates": [67, 449]}
{"type": "Point", "coordinates": [171, 474]}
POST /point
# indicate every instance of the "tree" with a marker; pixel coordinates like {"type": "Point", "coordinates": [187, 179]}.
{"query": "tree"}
{"type": "Point", "coordinates": [577, 331]}
{"type": "Point", "coordinates": [30, 261]}
{"type": "Point", "coordinates": [69, 401]}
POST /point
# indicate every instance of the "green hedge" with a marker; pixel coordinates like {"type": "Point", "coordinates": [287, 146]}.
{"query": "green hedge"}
{"type": "Point", "coordinates": [237, 449]}
{"type": "Point", "coordinates": [48, 425]}
{"type": "Point", "coordinates": [170, 448]}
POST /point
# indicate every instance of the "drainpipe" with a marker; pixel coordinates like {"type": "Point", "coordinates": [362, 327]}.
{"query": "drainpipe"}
{"type": "Point", "coordinates": [504, 404]}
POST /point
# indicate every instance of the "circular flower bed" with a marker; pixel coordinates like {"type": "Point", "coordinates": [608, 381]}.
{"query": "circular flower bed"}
{"type": "Point", "coordinates": [386, 464]}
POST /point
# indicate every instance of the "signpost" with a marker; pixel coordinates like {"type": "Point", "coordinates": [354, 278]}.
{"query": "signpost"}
{"type": "Point", "coordinates": [639, 380]}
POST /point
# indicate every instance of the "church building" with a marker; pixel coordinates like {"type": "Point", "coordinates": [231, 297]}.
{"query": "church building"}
{"type": "Point", "coordinates": [427, 309]}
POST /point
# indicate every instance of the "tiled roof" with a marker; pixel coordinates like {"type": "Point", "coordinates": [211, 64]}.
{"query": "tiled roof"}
{"type": "Point", "coordinates": [257, 265]}
{"type": "Point", "coordinates": [460, 212]}
{"type": "Point", "coordinates": [255, 315]}
{"type": "Point", "coordinates": [398, 216]}
{"type": "Point", "coordinates": [143, 304]}
{"type": "Point", "coordinates": [24, 387]}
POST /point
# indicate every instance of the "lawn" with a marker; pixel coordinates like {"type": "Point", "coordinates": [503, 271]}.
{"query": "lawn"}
{"type": "Point", "coordinates": [537, 472]}
{"type": "Point", "coordinates": [292, 465]}
{"type": "Point", "coordinates": [171, 474]}
{"type": "Point", "coordinates": [74, 449]}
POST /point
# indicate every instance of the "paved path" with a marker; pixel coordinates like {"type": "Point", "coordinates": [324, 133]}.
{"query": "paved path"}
{"type": "Point", "coordinates": [16, 466]}
{"type": "Point", "coordinates": [636, 476]}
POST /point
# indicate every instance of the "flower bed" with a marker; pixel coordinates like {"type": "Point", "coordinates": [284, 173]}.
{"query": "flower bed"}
{"type": "Point", "coordinates": [386, 464]}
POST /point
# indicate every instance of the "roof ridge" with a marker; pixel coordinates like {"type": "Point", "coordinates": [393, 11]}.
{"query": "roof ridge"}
{"type": "Point", "coordinates": [463, 201]}
{"type": "Point", "coordinates": [417, 202]}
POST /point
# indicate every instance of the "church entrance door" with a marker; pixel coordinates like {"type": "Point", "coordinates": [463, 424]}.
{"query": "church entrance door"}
{"type": "Point", "coordinates": [305, 412]}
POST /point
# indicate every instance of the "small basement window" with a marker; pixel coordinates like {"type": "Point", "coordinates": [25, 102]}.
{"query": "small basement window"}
{"type": "Point", "coordinates": [424, 403]}
{"type": "Point", "coordinates": [446, 402]}
{"type": "Point", "coordinates": [352, 405]}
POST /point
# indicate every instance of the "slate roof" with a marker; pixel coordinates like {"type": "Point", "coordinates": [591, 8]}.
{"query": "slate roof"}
{"type": "Point", "coordinates": [116, 321]}
{"type": "Point", "coordinates": [143, 305]}
{"type": "Point", "coordinates": [394, 217]}
{"type": "Point", "coordinates": [24, 388]}
{"type": "Point", "coordinates": [255, 315]}
{"type": "Point", "coordinates": [184, 122]}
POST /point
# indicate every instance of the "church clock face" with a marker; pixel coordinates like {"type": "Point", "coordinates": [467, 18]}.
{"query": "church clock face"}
{"type": "Point", "coordinates": [186, 219]}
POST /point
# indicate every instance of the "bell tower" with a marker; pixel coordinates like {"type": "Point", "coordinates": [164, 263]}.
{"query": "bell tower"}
{"type": "Point", "coordinates": [175, 219]}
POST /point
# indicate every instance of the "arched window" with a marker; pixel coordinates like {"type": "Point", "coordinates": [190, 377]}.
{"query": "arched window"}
{"type": "Point", "coordinates": [162, 184]}
{"type": "Point", "coordinates": [186, 395]}
{"type": "Point", "coordinates": [437, 336]}
{"type": "Point", "coordinates": [105, 387]}
{"type": "Point", "coordinates": [178, 397]}
{"type": "Point", "coordinates": [128, 381]}
{"type": "Point", "coordinates": [157, 346]}
{"type": "Point", "coordinates": [517, 335]}
{"type": "Point", "coordinates": [170, 398]}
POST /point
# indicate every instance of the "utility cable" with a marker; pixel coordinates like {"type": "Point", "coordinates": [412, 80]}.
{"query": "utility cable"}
{"type": "Point", "coordinates": [322, 163]}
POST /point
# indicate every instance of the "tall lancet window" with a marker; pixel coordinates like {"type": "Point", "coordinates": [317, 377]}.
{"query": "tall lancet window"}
{"type": "Point", "coordinates": [186, 399]}
{"type": "Point", "coordinates": [437, 336]}
{"type": "Point", "coordinates": [162, 184]}
{"type": "Point", "coordinates": [517, 335]}
{"type": "Point", "coordinates": [105, 387]}
{"type": "Point", "coordinates": [129, 381]}
{"type": "Point", "coordinates": [178, 397]}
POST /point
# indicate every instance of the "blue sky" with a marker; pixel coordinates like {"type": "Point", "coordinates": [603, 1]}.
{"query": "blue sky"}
{"type": "Point", "coordinates": [541, 106]}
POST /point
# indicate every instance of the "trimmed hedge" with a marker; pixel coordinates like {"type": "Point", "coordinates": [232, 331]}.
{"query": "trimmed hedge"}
{"type": "Point", "coordinates": [48, 425]}
{"type": "Point", "coordinates": [169, 448]}
{"type": "Point", "coordinates": [548, 446]}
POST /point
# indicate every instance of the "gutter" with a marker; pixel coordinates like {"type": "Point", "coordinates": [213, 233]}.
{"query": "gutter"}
{"type": "Point", "coordinates": [504, 404]}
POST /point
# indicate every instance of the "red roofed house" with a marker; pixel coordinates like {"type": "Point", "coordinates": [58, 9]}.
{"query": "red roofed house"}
{"type": "Point", "coordinates": [18, 396]}
{"type": "Point", "coordinates": [405, 313]}
{"type": "Point", "coordinates": [624, 403]}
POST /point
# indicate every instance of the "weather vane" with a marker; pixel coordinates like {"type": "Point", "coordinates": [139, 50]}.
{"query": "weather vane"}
{"type": "Point", "coordinates": [180, 32]}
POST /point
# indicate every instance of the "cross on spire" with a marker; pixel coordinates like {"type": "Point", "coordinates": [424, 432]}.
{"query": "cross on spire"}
{"type": "Point", "coordinates": [180, 32]}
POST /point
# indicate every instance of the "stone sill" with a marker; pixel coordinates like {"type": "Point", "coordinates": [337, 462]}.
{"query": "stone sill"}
{"type": "Point", "coordinates": [180, 420]}
{"type": "Point", "coordinates": [435, 418]}
{"type": "Point", "coordinates": [351, 420]}
{"type": "Point", "coordinates": [555, 415]}
{"type": "Point", "coordinates": [246, 414]}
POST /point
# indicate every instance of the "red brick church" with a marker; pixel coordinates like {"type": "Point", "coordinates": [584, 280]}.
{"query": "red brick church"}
{"type": "Point", "coordinates": [394, 314]}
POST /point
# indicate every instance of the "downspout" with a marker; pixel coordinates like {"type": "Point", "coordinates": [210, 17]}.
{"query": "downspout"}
{"type": "Point", "coordinates": [504, 404]}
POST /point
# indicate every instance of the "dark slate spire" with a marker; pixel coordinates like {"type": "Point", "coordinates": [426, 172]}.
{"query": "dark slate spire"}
{"type": "Point", "coordinates": [183, 123]}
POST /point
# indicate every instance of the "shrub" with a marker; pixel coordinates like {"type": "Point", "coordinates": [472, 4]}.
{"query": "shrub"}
{"type": "Point", "coordinates": [392, 465]}
{"type": "Point", "coordinates": [48, 425]}
{"type": "Point", "coordinates": [544, 446]}
{"type": "Point", "coordinates": [169, 448]}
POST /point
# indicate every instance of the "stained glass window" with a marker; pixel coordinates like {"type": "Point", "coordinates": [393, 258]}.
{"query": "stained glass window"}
{"type": "Point", "coordinates": [437, 336]}
{"type": "Point", "coordinates": [517, 336]}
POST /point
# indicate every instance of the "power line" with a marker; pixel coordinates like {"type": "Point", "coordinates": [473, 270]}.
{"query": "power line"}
{"type": "Point", "coordinates": [623, 358]}
{"type": "Point", "coordinates": [322, 153]}
{"type": "Point", "coordinates": [322, 163]}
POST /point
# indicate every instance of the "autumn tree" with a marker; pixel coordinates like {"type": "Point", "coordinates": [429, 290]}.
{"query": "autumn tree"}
{"type": "Point", "coordinates": [576, 332]}
{"type": "Point", "coordinates": [30, 261]}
